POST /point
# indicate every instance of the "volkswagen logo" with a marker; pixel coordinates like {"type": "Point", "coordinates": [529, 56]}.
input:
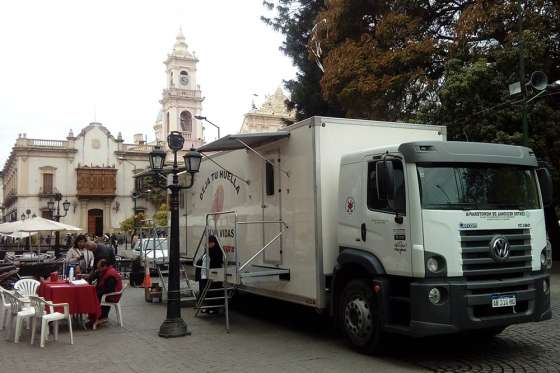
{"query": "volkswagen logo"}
{"type": "Point", "coordinates": [499, 249]}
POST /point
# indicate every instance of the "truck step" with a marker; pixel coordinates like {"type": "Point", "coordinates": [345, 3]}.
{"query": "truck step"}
{"type": "Point", "coordinates": [264, 271]}
{"type": "Point", "coordinates": [209, 307]}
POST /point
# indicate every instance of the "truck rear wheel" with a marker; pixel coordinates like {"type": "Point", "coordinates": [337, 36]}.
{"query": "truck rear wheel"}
{"type": "Point", "coordinates": [360, 317]}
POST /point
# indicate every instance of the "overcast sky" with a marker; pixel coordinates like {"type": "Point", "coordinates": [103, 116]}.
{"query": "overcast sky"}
{"type": "Point", "coordinates": [63, 61]}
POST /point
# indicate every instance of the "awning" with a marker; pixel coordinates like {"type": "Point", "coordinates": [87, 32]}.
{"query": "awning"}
{"type": "Point", "coordinates": [242, 140]}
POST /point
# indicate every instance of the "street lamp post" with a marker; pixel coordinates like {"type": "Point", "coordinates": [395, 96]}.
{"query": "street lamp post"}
{"type": "Point", "coordinates": [174, 325]}
{"type": "Point", "coordinates": [57, 215]}
{"type": "Point", "coordinates": [135, 196]}
{"type": "Point", "coordinates": [23, 217]}
{"type": "Point", "coordinates": [200, 117]}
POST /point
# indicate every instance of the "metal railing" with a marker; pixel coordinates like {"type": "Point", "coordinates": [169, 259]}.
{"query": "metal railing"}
{"type": "Point", "coordinates": [238, 266]}
{"type": "Point", "coordinates": [139, 147]}
{"type": "Point", "coordinates": [182, 92]}
{"type": "Point", "coordinates": [220, 244]}
{"type": "Point", "coordinates": [41, 143]}
{"type": "Point", "coordinates": [282, 230]}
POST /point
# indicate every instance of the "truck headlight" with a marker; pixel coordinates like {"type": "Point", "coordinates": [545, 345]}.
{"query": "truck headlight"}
{"type": "Point", "coordinates": [546, 256]}
{"type": "Point", "coordinates": [432, 264]}
{"type": "Point", "coordinates": [434, 296]}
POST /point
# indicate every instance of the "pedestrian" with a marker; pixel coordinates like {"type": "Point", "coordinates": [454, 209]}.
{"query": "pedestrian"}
{"type": "Point", "coordinates": [100, 251]}
{"type": "Point", "coordinates": [213, 258]}
{"type": "Point", "coordinates": [114, 242]}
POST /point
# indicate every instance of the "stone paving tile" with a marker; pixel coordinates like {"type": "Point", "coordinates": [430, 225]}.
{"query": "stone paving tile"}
{"type": "Point", "coordinates": [254, 345]}
{"type": "Point", "coordinates": [275, 338]}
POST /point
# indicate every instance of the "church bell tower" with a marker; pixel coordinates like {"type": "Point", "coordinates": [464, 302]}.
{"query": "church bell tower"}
{"type": "Point", "coordinates": [182, 99]}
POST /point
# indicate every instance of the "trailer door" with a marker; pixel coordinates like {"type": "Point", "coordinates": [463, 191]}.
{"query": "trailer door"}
{"type": "Point", "coordinates": [272, 209]}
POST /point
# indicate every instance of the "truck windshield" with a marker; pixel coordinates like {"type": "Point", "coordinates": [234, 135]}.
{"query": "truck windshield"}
{"type": "Point", "coordinates": [477, 186]}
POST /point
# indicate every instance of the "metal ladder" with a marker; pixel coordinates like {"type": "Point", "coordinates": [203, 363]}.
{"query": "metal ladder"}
{"type": "Point", "coordinates": [210, 298]}
{"type": "Point", "coordinates": [232, 276]}
{"type": "Point", "coordinates": [187, 291]}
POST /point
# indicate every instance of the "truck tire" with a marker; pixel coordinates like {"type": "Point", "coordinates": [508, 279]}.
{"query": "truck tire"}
{"type": "Point", "coordinates": [360, 317]}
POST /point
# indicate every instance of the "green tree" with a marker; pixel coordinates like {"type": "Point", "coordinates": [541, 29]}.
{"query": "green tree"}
{"type": "Point", "coordinates": [160, 216]}
{"type": "Point", "coordinates": [430, 61]}
{"type": "Point", "coordinates": [132, 223]}
{"type": "Point", "coordinates": [295, 19]}
{"type": "Point", "coordinates": [473, 99]}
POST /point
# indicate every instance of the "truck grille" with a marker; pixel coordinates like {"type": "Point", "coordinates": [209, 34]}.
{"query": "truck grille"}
{"type": "Point", "coordinates": [478, 264]}
{"type": "Point", "coordinates": [485, 277]}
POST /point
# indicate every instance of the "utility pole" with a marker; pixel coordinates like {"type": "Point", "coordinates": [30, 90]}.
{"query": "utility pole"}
{"type": "Point", "coordinates": [522, 74]}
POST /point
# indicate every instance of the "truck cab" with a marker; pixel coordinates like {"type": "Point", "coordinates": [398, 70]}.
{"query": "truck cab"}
{"type": "Point", "coordinates": [440, 237]}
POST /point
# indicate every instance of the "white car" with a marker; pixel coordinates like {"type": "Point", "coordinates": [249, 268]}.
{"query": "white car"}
{"type": "Point", "coordinates": [152, 247]}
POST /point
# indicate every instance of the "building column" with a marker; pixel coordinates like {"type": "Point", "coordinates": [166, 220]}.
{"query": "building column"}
{"type": "Point", "coordinates": [83, 215]}
{"type": "Point", "coordinates": [107, 227]}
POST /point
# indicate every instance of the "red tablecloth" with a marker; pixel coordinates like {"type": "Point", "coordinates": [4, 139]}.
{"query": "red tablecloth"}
{"type": "Point", "coordinates": [81, 298]}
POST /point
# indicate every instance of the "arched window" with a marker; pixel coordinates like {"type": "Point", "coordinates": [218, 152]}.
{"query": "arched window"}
{"type": "Point", "coordinates": [186, 121]}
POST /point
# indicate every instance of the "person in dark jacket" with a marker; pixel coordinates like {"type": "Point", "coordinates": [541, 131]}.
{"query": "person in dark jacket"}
{"type": "Point", "coordinates": [213, 258]}
{"type": "Point", "coordinates": [108, 281]}
{"type": "Point", "coordinates": [100, 251]}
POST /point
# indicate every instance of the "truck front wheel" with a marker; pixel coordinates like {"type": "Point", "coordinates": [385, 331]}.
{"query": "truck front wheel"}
{"type": "Point", "coordinates": [359, 315]}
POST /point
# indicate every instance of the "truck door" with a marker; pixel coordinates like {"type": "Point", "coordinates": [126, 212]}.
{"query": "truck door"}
{"type": "Point", "coordinates": [385, 228]}
{"type": "Point", "coordinates": [271, 209]}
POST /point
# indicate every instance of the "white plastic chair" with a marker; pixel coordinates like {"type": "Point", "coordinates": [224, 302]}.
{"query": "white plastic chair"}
{"type": "Point", "coordinates": [115, 305]}
{"type": "Point", "coordinates": [27, 287]}
{"type": "Point", "coordinates": [4, 307]}
{"type": "Point", "coordinates": [20, 312]}
{"type": "Point", "coordinates": [39, 305]}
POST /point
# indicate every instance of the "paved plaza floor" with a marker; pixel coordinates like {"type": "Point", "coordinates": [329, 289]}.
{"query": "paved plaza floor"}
{"type": "Point", "coordinates": [269, 336]}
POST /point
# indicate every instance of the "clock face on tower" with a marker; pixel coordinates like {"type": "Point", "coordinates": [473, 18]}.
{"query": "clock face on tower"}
{"type": "Point", "coordinates": [184, 78]}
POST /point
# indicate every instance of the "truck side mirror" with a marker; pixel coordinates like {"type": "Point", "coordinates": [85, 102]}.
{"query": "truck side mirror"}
{"type": "Point", "coordinates": [385, 180]}
{"type": "Point", "coordinates": [545, 182]}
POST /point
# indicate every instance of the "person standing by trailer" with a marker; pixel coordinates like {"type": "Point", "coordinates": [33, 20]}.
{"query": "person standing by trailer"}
{"type": "Point", "coordinates": [211, 259]}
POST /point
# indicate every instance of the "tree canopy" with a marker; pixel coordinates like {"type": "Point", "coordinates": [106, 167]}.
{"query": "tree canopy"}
{"type": "Point", "coordinates": [427, 61]}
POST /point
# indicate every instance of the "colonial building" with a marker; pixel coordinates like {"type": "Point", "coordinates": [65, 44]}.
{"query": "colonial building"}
{"type": "Point", "coordinates": [270, 117]}
{"type": "Point", "coordinates": [93, 171]}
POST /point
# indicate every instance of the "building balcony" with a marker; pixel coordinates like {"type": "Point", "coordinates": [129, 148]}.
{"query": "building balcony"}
{"type": "Point", "coordinates": [140, 148]}
{"type": "Point", "coordinates": [191, 141]}
{"type": "Point", "coordinates": [176, 92]}
{"type": "Point", "coordinates": [24, 142]}
{"type": "Point", "coordinates": [47, 193]}
{"type": "Point", "coordinates": [96, 182]}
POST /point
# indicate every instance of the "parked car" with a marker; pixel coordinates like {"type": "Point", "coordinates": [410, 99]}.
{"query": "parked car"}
{"type": "Point", "coordinates": [151, 248]}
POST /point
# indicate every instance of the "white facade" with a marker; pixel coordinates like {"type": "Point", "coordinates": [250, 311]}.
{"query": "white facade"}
{"type": "Point", "coordinates": [38, 169]}
{"type": "Point", "coordinates": [270, 117]}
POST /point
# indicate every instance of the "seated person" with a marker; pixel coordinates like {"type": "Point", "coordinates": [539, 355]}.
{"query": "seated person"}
{"type": "Point", "coordinates": [99, 252]}
{"type": "Point", "coordinates": [82, 258]}
{"type": "Point", "coordinates": [108, 281]}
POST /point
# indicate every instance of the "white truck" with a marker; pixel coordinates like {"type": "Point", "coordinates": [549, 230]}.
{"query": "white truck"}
{"type": "Point", "coordinates": [387, 226]}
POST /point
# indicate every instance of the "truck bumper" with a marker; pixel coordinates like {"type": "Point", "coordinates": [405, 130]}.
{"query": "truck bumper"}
{"type": "Point", "coordinates": [468, 305]}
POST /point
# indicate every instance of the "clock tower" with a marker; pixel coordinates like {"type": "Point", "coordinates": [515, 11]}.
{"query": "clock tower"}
{"type": "Point", "coordinates": [182, 99]}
